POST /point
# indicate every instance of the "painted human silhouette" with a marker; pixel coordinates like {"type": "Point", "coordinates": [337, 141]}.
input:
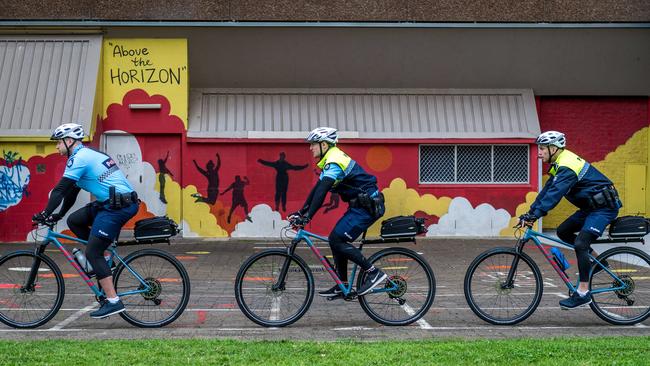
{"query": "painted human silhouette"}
{"type": "Point", "coordinates": [334, 198]}
{"type": "Point", "coordinates": [211, 173]}
{"type": "Point", "coordinates": [238, 198]}
{"type": "Point", "coordinates": [162, 170]}
{"type": "Point", "coordinates": [281, 166]}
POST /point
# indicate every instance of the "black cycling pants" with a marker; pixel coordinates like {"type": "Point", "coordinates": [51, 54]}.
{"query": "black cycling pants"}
{"type": "Point", "coordinates": [95, 255]}
{"type": "Point", "coordinates": [342, 251]}
{"type": "Point", "coordinates": [80, 223]}
{"type": "Point", "coordinates": [582, 242]}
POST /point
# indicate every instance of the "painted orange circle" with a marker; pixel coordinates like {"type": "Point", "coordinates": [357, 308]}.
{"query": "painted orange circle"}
{"type": "Point", "coordinates": [379, 158]}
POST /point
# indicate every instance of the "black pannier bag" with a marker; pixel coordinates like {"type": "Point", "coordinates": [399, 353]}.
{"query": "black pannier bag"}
{"type": "Point", "coordinates": [629, 227]}
{"type": "Point", "coordinates": [402, 226]}
{"type": "Point", "coordinates": [155, 229]}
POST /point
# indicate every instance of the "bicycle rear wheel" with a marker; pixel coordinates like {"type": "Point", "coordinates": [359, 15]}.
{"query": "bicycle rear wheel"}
{"type": "Point", "coordinates": [266, 302]}
{"type": "Point", "coordinates": [494, 300]}
{"type": "Point", "coordinates": [169, 288]}
{"type": "Point", "coordinates": [415, 282]}
{"type": "Point", "coordinates": [631, 304]}
{"type": "Point", "coordinates": [24, 306]}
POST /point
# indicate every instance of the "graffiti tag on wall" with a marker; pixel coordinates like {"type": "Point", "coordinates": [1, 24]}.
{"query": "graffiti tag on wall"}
{"type": "Point", "coordinates": [14, 178]}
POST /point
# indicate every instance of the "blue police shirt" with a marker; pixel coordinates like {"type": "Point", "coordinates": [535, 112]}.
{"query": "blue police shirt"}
{"type": "Point", "coordinates": [333, 171]}
{"type": "Point", "coordinates": [95, 172]}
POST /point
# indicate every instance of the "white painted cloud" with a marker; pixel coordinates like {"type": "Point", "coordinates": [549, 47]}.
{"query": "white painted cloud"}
{"type": "Point", "coordinates": [265, 223]}
{"type": "Point", "coordinates": [464, 220]}
{"type": "Point", "coordinates": [125, 150]}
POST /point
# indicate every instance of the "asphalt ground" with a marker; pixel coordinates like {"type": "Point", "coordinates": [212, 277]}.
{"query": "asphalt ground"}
{"type": "Point", "coordinates": [213, 312]}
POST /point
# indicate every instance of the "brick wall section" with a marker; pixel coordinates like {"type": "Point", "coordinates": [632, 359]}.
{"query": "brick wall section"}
{"type": "Point", "coordinates": [594, 126]}
{"type": "Point", "coordinates": [332, 10]}
{"type": "Point", "coordinates": [608, 132]}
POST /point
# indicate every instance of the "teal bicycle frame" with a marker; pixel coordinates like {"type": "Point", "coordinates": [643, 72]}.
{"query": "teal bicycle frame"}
{"type": "Point", "coordinates": [306, 236]}
{"type": "Point", "coordinates": [52, 237]}
{"type": "Point", "coordinates": [533, 235]}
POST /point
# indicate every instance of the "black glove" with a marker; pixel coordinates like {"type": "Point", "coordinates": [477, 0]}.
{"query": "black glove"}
{"type": "Point", "coordinates": [528, 218]}
{"type": "Point", "coordinates": [39, 217]}
{"type": "Point", "coordinates": [300, 221]}
{"type": "Point", "coordinates": [55, 217]}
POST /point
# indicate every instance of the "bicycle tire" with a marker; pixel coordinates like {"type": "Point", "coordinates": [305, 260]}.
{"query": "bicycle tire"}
{"type": "Point", "coordinates": [630, 305]}
{"type": "Point", "coordinates": [14, 271]}
{"type": "Point", "coordinates": [169, 283]}
{"type": "Point", "coordinates": [416, 288]}
{"type": "Point", "coordinates": [267, 306]}
{"type": "Point", "coordinates": [485, 276]}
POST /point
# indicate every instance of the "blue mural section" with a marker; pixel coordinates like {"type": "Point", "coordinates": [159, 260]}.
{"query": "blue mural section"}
{"type": "Point", "coordinates": [14, 178]}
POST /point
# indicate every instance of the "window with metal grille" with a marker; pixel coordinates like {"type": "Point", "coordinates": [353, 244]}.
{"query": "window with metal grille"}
{"type": "Point", "coordinates": [487, 164]}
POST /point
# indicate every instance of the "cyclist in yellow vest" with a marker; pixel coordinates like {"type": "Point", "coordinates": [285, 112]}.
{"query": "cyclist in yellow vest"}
{"type": "Point", "coordinates": [340, 174]}
{"type": "Point", "coordinates": [586, 188]}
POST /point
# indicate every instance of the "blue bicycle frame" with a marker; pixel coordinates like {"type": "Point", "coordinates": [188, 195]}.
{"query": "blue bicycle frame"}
{"type": "Point", "coordinates": [533, 235]}
{"type": "Point", "coordinates": [306, 236]}
{"type": "Point", "coordinates": [52, 237]}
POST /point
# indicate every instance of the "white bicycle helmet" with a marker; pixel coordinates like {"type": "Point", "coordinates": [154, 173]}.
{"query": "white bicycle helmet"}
{"type": "Point", "coordinates": [68, 130]}
{"type": "Point", "coordinates": [327, 134]}
{"type": "Point", "coordinates": [551, 138]}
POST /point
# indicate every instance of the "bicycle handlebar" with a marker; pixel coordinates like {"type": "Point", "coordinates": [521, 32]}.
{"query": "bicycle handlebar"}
{"type": "Point", "coordinates": [45, 222]}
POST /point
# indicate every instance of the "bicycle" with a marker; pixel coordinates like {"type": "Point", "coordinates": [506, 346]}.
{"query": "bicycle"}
{"type": "Point", "coordinates": [503, 286]}
{"type": "Point", "coordinates": [153, 284]}
{"type": "Point", "coordinates": [275, 287]}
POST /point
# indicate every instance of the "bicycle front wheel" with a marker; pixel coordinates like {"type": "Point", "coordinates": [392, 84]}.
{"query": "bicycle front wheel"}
{"type": "Point", "coordinates": [494, 300]}
{"type": "Point", "coordinates": [168, 283]}
{"type": "Point", "coordinates": [266, 300]}
{"type": "Point", "coordinates": [630, 302]}
{"type": "Point", "coordinates": [24, 305]}
{"type": "Point", "coordinates": [412, 285]}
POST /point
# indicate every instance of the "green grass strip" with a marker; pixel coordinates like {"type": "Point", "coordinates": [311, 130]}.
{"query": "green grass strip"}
{"type": "Point", "coordinates": [557, 351]}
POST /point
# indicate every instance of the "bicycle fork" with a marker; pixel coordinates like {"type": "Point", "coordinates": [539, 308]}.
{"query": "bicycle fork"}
{"type": "Point", "coordinates": [510, 279]}
{"type": "Point", "coordinates": [279, 285]}
{"type": "Point", "coordinates": [30, 285]}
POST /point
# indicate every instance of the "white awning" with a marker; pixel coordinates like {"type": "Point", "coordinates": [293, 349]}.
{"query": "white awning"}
{"type": "Point", "coordinates": [363, 113]}
{"type": "Point", "coordinates": [46, 81]}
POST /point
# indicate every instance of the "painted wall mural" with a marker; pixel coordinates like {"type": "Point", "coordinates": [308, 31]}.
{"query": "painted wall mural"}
{"type": "Point", "coordinates": [282, 168]}
{"type": "Point", "coordinates": [221, 188]}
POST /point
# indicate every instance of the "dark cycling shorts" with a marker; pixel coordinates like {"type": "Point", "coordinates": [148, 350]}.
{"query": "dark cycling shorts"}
{"type": "Point", "coordinates": [108, 222]}
{"type": "Point", "coordinates": [593, 221]}
{"type": "Point", "coordinates": [353, 223]}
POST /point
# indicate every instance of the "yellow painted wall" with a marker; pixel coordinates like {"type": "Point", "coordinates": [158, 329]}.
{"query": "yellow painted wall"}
{"type": "Point", "coordinates": [634, 151]}
{"type": "Point", "coordinates": [158, 66]}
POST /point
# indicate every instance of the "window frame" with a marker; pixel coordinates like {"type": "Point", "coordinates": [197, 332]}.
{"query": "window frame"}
{"type": "Point", "coordinates": [491, 182]}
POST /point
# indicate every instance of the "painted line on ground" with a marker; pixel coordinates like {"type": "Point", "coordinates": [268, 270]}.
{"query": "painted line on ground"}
{"type": "Point", "coordinates": [73, 317]}
{"type": "Point", "coordinates": [421, 322]}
